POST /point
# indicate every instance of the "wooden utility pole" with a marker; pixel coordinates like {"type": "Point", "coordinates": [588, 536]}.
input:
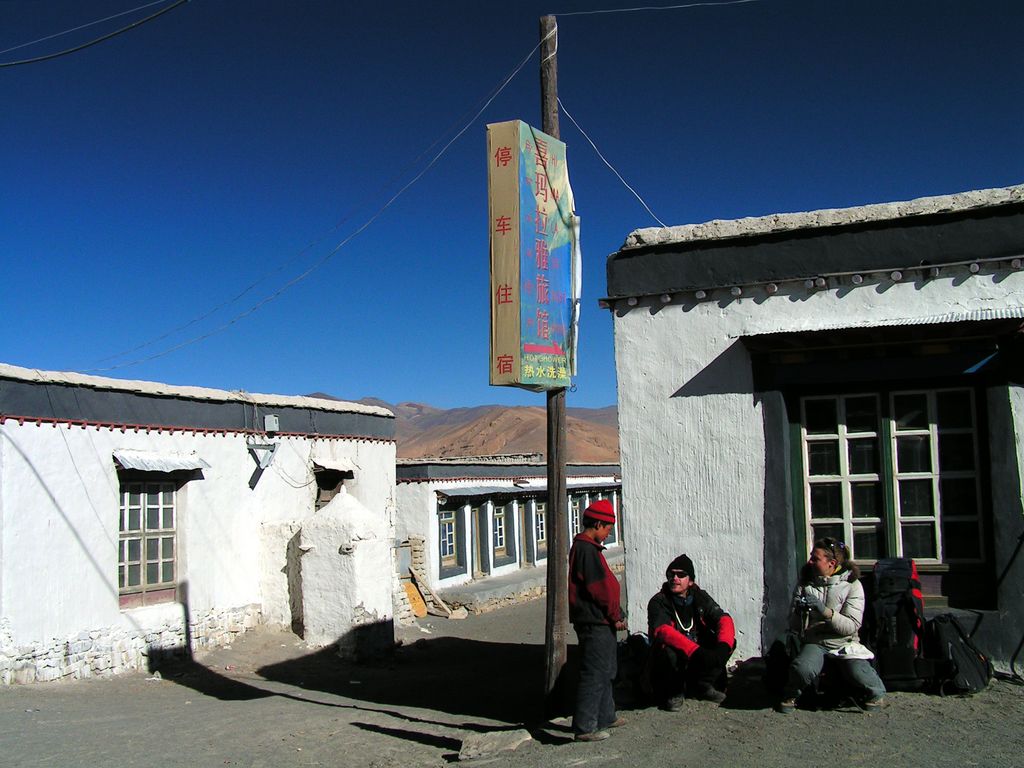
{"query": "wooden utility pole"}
{"type": "Point", "coordinates": [557, 617]}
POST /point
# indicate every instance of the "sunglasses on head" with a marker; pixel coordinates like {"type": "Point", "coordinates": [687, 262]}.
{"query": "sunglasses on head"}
{"type": "Point", "coordinates": [834, 546]}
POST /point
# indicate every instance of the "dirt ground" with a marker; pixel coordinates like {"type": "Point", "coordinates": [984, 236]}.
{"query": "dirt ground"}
{"type": "Point", "coordinates": [269, 701]}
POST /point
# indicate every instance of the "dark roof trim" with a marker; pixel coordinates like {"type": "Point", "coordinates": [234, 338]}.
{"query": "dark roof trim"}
{"type": "Point", "coordinates": [418, 473]}
{"type": "Point", "coordinates": [64, 403]}
{"type": "Point", "coordinates": [927, 240]}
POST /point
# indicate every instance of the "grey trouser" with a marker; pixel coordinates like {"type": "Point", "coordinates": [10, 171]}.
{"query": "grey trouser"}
{"type": "Point", "coordinates": [807, 665]}
{"type": "Point", "coordinates": [595, 707]}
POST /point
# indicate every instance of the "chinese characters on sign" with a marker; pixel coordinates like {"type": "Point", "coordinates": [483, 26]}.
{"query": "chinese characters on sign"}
{"type": "Point", "coordinates": [534, 255]}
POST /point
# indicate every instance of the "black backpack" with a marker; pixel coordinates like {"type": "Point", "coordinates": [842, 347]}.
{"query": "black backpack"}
{"type": "Point", "coordinates": [893, 624]}
{"type": "Point", "coordinates": [959, 667]}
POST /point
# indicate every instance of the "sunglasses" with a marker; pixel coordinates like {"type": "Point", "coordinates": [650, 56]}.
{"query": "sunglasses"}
{"type": "Point", "coordinates": [834, 546]}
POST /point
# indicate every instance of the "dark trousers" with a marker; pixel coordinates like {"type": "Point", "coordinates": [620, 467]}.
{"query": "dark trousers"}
{"type": "Point", "coordinates": [595, 707]}
{"type": "Point", "coordinates": [673, 674]}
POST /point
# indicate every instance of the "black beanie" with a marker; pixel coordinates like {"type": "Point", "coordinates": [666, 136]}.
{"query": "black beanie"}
{"type": "Point", "coordinates": [681, 563]}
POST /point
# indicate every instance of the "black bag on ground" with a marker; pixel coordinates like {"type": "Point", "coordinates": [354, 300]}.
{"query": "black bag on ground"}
{"type": "Point", "coordinates": [893, 623]}
{"type": "Point", "coordinates": [959, 666]}
{"type": "Point", "coordinates": [780, 656]}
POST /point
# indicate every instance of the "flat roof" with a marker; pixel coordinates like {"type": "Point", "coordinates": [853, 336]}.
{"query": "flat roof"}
{"type": "Point", "coordinates": [722, 229]}
{"type": "Point", "coordinates": [33, 375]}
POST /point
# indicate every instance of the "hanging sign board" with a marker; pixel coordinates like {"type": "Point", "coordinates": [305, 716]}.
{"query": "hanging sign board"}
{"type": "Point", "coordinates": [534, 259]}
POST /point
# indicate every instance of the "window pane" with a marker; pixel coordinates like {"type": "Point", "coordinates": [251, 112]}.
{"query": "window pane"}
{"type": "Point", "coordinates": [152, 518]}
{"type": "Point", "coordinates": [821, 417]}
{"type": "Point", "coordinates": [916, 498]}
{"type": "Point", "coordinates": [958, 497]}
{"type": "Point", "coordinates": [153, 498]}
{"type": "Point", "coordinates": [167, 496]}
{"type": "Point", "coordinates": [960, 540]}
{"type": "Point", "coordinates": [152, 549]}
{"type": "Point", "coordinates": [919, 541]}
{"type": "Point", "coordinates": [134, 518]}
{"type": "Point", "coordinates": [168, 518]}
{"type": "Point", "coordinates": [120, 577]}
{"type": "Point", "coordinates": [862, 414]}
{"type": "Point", "coordinates": [134, 576]}
{"type": "Point", "coordinates": [866, 499]}
{"type": "Point", "coordinates": [954, 409]}
{"type": "Point", "coordinates": [914, 454]}
{"type": "Point", "coordinates": [911, 411]}
{"type": "Point", "coordinates": [864, 456]}
{"type": "Point", "coordinates": [828, 531]}
{"type": "Point", "coordinates": [152, 573]}
{"type": "Point", "coordinates": [867, 543]}
{"type": "Point", "coordinates": [134, 549]}
{"type": "Point", "coordinates": [168, 572]}
{"type": "Point", "coordinates": [956, 452]}
{"type": "Point", "coordinates": [135, 496]}
{"type": "Point", "coordinates": [167, 551]}
{"type": "Point", "coordinates": [826, 500]}
{"type": "Point", "coordinates": [823, 457]}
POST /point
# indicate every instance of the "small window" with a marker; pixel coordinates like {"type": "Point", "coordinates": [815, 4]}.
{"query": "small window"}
{"type": "Point", "coordinates": [540, 521]}
{"type": "Point", "coordinates": [448, 537]}
{"type": "Point", "coordinates": [500, 548]}
{"type": "Point", "coordinates": [328, 483]}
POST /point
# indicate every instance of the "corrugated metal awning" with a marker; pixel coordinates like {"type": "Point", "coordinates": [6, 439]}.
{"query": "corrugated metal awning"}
{"type": "Point", "coordinates": [972, 315]}
{"type": "Point", "coordinates": [158, 461]}
{"type": "Point", "coordinates": [525, 489]}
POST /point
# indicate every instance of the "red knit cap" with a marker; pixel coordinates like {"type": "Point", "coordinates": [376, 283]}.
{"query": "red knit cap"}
{"type": "Point", "coordinates": [602, 510]}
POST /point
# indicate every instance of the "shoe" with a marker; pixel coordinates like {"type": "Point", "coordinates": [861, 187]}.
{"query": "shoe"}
{"type": "Point", "coordinates": [874, 704]}
{"type": "Point", "coordinates": [674, 704]}
{"type": "Point", "coordinates": [619, 722]}
{"type": "Point", "coordinates": [712, 694]}
{"type": "Point", "coordinates": [592, 736]}
{"type": "Point", "coordinates": [786, 706]}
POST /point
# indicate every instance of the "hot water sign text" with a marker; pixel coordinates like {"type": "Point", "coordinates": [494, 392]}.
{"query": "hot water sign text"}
{"type": "Point", "coordinates": [532, 258]}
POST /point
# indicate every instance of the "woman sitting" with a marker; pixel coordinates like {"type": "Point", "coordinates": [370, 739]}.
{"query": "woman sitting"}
{"type": "Point", "coordinates": [828, 608]}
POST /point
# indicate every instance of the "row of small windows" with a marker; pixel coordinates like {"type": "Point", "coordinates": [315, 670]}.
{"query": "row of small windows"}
{"type": "Point", "coordinates": [502, 527]}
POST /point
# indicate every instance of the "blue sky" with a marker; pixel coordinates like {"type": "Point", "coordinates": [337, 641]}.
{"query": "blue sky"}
{"type": "Point", "coordinates": [153, 178]}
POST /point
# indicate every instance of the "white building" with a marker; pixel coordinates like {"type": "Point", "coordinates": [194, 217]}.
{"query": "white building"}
{"type": "Point", "coordinates": [139, 518]}
{"type": "Point", "coordinates": [487, 516]}
{"type": "Point", "coordinates": [852, 373]}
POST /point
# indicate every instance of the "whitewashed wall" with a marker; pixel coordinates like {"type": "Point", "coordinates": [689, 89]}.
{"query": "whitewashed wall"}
{"type": "Point", "coordinates": [691, 434]}
{"type": "Point", "coordinates": [59, 517]}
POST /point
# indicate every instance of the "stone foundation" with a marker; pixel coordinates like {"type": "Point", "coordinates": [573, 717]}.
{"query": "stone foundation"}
{"type": "Point", "coordinates": [113, 650]}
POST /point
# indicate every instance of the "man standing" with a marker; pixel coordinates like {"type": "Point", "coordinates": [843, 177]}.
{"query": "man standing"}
{"type": "Point", "coordinates": [692, 639]}
{"type": "Point", "coordinates": [596, 616]}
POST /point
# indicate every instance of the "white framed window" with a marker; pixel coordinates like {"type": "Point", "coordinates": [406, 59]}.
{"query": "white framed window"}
{"type": "Point", "coordinates": [498, 527]}
{"type": "Point", "coordinates": [843, 487]}
{"type": "Point", "coordinates": [577, 503]}
{"type": "Point", "coordinates": [540, 510]}
{"type": "Point", "coordinates": [903, 482]}
{"type": "Point", "coordinates": [147, 543]}
{"type": "Point", "coordinates": [936, 488]}
{"type": "Point", "coordinates": [448, 537]}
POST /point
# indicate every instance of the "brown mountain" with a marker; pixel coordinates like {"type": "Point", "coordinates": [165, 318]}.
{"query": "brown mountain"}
{"type": "Point", "coordinates": [425, 431]}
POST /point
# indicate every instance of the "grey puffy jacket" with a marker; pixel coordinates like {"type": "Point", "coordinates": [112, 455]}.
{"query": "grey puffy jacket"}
{"type": "Point", "coordinates": [844, 597]}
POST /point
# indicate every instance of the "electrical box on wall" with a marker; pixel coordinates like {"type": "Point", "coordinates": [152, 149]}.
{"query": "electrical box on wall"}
{"type": "Point", "coordinates": [271, 423]}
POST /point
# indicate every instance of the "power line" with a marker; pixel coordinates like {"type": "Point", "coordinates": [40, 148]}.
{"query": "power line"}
{"type": "Point", "coordinates": [619, 175]}
{"type": "Point", "coordinates": [91, 43]}
{"type": "Point", "coordinates": [327, 257]}
{"type": "Point", "coordinates": [82, 26]}
{"type": "Point", "coordinates": [484, 101]}
{"type": "Point", "coordinates": [657, 8]}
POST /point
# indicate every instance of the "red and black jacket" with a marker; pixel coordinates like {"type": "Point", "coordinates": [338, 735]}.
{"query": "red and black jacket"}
{"type": "Point", "coordinates": [711, 625]}
{"type": "Point", "coordinates": [593, 588]}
